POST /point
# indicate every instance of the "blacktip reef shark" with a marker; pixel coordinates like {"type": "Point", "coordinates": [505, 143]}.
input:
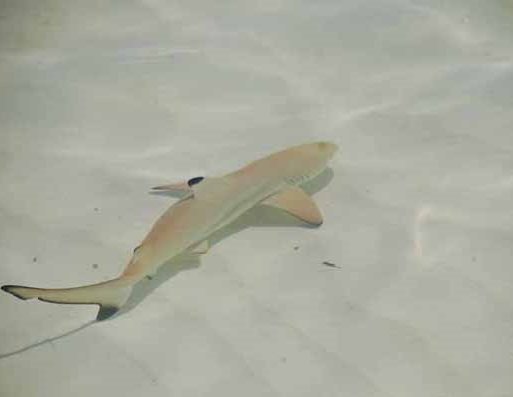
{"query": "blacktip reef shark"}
{"type": "Point", "coordinates": [208, 205]}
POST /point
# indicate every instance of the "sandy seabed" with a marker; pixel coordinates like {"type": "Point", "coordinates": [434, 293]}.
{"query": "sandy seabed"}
{"type": "Point", "coordinates": [99, 102]}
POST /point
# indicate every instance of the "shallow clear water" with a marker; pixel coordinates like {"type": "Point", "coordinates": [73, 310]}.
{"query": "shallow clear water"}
{"type": "Point", "coordinates": [99, 102]}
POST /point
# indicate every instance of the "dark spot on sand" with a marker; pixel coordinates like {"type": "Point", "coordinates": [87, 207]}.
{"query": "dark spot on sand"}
{"type": "Point", "coordinates": [330, 264]}
{"type": "Point", "coordinates": [96, 209]}
{"type": "Point", "coordinates": [296, 247]}
{"type": "Point", "coordinates": [95, 266]}
{"type": "Point", "coordinates": [34, 259]}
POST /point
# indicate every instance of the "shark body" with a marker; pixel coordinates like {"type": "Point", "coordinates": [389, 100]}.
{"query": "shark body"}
{"type": "Point", "coordinates": [209, 204]}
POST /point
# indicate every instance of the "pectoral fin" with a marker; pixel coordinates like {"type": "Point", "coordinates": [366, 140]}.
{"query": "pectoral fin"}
{"type": "Point", "coordinates": [296, 202]}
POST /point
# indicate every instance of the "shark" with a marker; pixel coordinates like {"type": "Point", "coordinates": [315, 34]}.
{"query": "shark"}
{"type": "Point", "coordinates": [207, 205]}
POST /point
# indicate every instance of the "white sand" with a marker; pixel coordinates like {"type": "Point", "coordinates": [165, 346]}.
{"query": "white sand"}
{"type": "Point", "coordinates": [100, 102]}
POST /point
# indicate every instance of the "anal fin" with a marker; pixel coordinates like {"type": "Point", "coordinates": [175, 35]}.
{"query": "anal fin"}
{"type": "Point", "coordinates": [201, 248]}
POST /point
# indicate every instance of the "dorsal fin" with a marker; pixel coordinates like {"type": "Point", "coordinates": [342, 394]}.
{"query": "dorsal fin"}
{"type": "Point", "coordinates": [194, 181]}
{"type": "Point", "coordinates": [296, 202]}
{"type": "Point", "coordinates": [181, 187]}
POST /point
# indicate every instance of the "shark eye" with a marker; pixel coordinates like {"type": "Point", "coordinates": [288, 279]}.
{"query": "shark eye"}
{"type": "Point", "coordinates": [194, 181]}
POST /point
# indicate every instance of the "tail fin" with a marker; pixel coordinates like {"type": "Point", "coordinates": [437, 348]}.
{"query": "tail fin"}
{"type": "Point", "coordinates": [109, 295]}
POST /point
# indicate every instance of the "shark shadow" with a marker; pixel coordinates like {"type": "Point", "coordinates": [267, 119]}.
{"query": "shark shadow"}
{"type": "Point", "coordinates": [45, 341]}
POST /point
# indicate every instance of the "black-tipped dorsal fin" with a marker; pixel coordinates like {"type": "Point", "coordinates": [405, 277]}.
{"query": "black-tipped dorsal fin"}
{"type": "Point", "coordinates": [194, 181]}
{"type": "Point", "coordinates": [185, 188]}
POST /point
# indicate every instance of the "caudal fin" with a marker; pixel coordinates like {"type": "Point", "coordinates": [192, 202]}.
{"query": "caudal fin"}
{"type": "Point", "coordinates": [109, 295]}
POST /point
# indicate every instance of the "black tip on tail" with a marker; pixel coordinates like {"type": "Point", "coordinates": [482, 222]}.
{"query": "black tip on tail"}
{"type": "Point", "coordinates": [7, 288]}
{"type": "Point", "coordinates": [106, 312]}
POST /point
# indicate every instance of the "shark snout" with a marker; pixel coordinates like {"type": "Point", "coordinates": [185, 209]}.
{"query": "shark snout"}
{"type": "Point", "coordinates": [327, 148]}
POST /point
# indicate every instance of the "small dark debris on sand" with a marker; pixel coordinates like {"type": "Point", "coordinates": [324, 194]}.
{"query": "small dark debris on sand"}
{"type": "Point", "coordinates": [296, 247]}
{"type": "Point", "coordinates": [96, 209]}
{"type": "Point", "coordinates": [330, 264]}
{"type": "Point", "coordinates": [34, 259]}
{"type": "Point", "coordinates": [95, 266]}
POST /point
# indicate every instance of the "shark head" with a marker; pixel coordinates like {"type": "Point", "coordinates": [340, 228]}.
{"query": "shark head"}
{"type": "Point", "coordinates": [302, 163]}
{"type": "Point", "coordinates": [294, 166]}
